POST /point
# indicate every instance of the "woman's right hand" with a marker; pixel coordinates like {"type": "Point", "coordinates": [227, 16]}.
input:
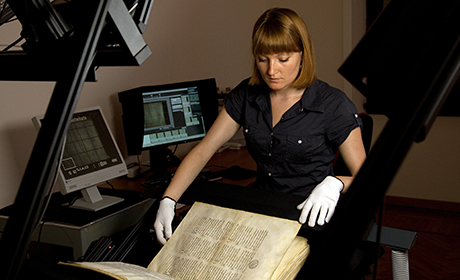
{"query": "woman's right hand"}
{"type": "Point", "coordinates": [221, 132]}
{"type": "Point", "coordinates": [163, 221]}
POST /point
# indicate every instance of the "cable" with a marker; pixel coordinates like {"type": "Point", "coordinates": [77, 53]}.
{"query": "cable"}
{"type": "Point", "coordinates": [2, 8]}
{"type": "Point", "coordinates": [175, 149]}
{"type": "Point", "coordinates": [6, 13]}
{"type": "Point", "coordinates": [10, 20]}
{"type": "Point", "coordinates": [51, 188]}
{"type": "Point", "coordinates": [139, 162]}
{"type": "Point", "coordinates": [377, 241]}
{"type": "Point", "coordinates": [108, 183]}
{"type": "Point", "coordinates": [37, 248]}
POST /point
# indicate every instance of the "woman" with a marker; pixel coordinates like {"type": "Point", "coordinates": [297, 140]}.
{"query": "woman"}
{"type": "Point", "coordinates": [293, 125]}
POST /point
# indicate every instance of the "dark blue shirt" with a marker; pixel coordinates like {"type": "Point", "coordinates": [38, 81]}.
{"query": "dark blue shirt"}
{"type": "Point", "coordinates": [298, 153]}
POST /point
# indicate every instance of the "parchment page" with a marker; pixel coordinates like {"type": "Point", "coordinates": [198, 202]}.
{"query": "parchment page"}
{"type": "Point", "coordinates": [120, 271]}
{"type": "Point", "coordinates": [213, 242]}
{"type": "Point", "coordinates": [293, 260]}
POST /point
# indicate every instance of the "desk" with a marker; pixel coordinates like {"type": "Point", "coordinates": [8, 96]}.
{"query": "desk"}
{"type": "Point", "coordinates": [78, 228]}
{"type": "Point", "coordinates": [219, 161]}
{"type": "Point", "coordinates": [59, 231]}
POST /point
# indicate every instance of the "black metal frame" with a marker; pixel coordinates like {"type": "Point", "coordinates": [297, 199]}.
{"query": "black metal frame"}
{"type": "Point", "coordinates": [422, 89]}
{"type": "Point", "coordinates": [415, 85]}
{"type": "Point", "coordinates": [79, 53]}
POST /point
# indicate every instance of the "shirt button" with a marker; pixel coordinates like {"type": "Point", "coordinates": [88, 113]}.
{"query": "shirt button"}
{"type": "Point", "coordinates": [269, 174]}
{"type": "Point", "coordinates": [246, 130]}
{"type": "Point", "coordinates": [269, 154]}
{"type": "Point", "coordinates": [299, 141]}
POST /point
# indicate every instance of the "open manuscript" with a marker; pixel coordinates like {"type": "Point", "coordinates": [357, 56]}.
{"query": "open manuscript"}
{"type": "Point", "coordinates": [220, 243]}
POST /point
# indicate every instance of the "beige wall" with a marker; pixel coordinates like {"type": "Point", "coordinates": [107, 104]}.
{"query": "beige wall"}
{"type": "Point", "coordinates": [431, 168]}
{"type": "Point", "coordinates": [189, 40]}
{"type": "Point", "coordinates": [210, 38]}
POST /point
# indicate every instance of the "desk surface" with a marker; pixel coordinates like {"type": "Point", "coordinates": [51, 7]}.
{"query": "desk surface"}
{"type": "Point", "coordinates": [230, 193]}
{"type": "Point", "coordinates": [83, 229]}
{"type": "Point", "coordinates": [218, 162]}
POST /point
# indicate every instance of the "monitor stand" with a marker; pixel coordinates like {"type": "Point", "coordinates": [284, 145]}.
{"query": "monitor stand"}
{"type": "Point", "coordinates": [160, 159]}
{"type": "Point", "coordinates": [92, 200]}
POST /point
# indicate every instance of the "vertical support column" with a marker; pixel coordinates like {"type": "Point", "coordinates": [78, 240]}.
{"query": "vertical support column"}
{"type": "Point", "coordinates": [30, 202]}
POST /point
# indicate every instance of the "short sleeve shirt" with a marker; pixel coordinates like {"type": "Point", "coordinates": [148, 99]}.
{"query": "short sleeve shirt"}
{"type": "Point", "coordinates": [298, 153]}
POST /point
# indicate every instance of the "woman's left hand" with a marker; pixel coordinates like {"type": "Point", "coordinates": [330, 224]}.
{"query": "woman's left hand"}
{"type": "Point", "coordinates": [322, 201]}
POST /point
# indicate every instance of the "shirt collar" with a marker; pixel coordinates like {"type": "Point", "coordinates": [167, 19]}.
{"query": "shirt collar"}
{"type": "Point", "coordinates": [312, 98]}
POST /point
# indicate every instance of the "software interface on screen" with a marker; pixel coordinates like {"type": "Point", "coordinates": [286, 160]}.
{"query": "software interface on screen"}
{"type": "Point", "coordinates": [90, 156]}
{"type": "Point", "coordinates": [88, 147]}
{"type": "Point", "coordinates": [171, 116]}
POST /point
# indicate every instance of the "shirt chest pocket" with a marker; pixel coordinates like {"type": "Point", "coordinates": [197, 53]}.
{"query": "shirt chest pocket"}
{"type": "Point", "coordinates": [257, 141]}
{"type": "Point", "coordinates": [300, 149]}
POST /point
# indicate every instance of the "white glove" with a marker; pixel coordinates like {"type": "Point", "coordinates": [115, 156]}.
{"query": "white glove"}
{"type": "Point", "coordinates": [163, 221]}
{"type": "Point", "coordinates": [322, 200]}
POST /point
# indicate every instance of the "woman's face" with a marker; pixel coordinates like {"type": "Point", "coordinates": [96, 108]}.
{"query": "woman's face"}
{"type": "Point", "coordinates": [279, 70]}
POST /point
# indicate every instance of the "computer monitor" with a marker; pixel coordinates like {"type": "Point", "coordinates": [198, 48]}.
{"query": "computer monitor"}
{"type": "Point", "coordinates": [90, 157]}
{"type": "Point", "coordinates": [159, 116]}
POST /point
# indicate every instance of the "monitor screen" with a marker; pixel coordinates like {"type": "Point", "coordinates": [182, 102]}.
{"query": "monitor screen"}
{"type": "Point", "coordinates": [90, 157]}
{"type": "Point", "coordinates": [171, 116]}
{"type": "Point", "coordinates": [156, 117]}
